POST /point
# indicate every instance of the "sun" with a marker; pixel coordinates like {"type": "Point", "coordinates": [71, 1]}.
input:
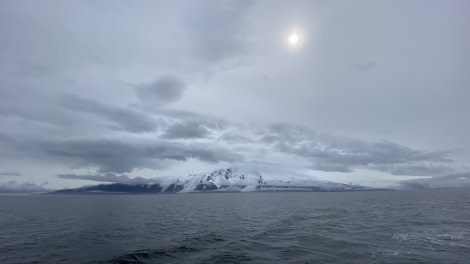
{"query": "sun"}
{"type": "Point", "coordinates": [293, 39]}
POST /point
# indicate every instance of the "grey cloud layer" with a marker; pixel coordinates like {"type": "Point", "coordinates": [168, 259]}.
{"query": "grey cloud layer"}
{"type": "Point", "coordinates": [321, 152]}
{"type": "Point", "coordinates": [207, 120]}
{"type": "Point", "coordinates": [217, 29]}
{"type": "Point", "coordinates": [9, 173]}
{"type": "Point", "coordinates": [161, 92]}
{"type": "Point", "coordinates": [107, 177]}
{"type": "Point", "coordinates": [460, 180]}
{"type": "Point", "coordinates": [15, 111]}
{"type": "Point", "coordinates": [121, 156]}
{"type": "Point", "coordinates": [22, 187]}
{"type": "Point", "coordinates": [327, 153]}
{"type": "Point", "coordinates": [126, 118]}
{"type": "Point", "coordinates": [186, 130]}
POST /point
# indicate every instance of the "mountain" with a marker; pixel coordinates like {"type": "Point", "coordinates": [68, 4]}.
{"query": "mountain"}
{"type": "Point", "coordinates": [222, 180]}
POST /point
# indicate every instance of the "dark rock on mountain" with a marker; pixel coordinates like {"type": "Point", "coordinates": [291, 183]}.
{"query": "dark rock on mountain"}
{"type": "Point", "coordinates": [116, 188]}
{"type": "Point", "coordinates": [206, 187]}
{"type": "Point", "coordinates": [174, 188]}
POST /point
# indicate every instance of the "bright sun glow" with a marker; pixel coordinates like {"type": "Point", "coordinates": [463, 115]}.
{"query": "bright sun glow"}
{"type": "Point", "coordinates": [294, 39]}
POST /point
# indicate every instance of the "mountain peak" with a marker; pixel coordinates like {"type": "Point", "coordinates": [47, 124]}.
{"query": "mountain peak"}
{"type": "Point", "coordinates": [227, 176]}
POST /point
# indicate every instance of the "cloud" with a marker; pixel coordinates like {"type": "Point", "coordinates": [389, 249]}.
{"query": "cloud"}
{"type": "Point", "coordinates": [416, 168]}
{"type": "Point", "coordinates": [281, 141]}
{"type": "Point", "coordinates": [47, 115]}
{"type": "Point", "coordinates": [288, 132]}
{"type": "Point", "coordinates": [331, 167]}
{"type": "Point", "coordinates": [217, 29]}
{"type": "Point", "coordinates": [328, 153]}
{"type": "Point", "coordinates": [107, 177]}
{"type": "Point", "coordinates": [235, 138]}
{"type": "Point", "coordinates": [33, 69]}
{"type": "Point", "coordinates": [112, 155]}
{"type": "Point", "coordinates": [186, 130]}
{"type": "Point", "coordinates": [127, 119]}
{"type": "Point", "coordinates": [461, 180]}
{"type": "Point", "coordinates": [161, 92]}
{"type": "Point", "coordinates": [365, 66]}
{"type": "Point", "coordinates": [22, 187]}
{"type": "Point", "coordinates": [6, 139]}
{"type": "Point", "coordinates": [118, 152]}
{"type": "Point", "coordinates": [9, 173]}
{"type": "Point", "coordinates": [206, 120]}
{"type": "Point", "coordinates": [14, 111]}
{"type": "Point", "coordinates": [11, 147]}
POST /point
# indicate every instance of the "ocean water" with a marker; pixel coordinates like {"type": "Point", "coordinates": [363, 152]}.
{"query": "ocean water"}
{"type": "Point", "coordinates": [427, 226]}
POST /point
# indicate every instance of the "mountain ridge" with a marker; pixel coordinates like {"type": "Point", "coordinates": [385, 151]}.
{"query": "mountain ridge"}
{"type": "Point", "coordinates": [221, 180]}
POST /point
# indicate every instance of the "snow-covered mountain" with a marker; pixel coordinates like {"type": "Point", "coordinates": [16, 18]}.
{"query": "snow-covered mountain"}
{"type": "Point", "coordinates": [230, 179]}
{"type": "Point", "coordinates": [223, 180]}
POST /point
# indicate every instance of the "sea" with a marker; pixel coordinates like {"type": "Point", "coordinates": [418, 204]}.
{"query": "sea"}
{"type": "Point", "coordinates": [422, 226]}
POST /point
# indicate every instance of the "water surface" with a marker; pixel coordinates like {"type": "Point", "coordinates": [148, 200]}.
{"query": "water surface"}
{"type": "Point", "coordinates": [430, 226]}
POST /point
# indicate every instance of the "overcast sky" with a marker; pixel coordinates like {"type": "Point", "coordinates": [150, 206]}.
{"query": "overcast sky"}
{"type": "Point", "coordinates": [374, 92]}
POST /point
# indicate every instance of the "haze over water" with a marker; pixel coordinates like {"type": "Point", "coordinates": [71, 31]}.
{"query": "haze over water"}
{"type": "Point", "coordinates": [428, 226]}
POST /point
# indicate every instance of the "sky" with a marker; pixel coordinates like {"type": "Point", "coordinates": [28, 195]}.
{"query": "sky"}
{"type": "Point", "coordinates": [373, 93]}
